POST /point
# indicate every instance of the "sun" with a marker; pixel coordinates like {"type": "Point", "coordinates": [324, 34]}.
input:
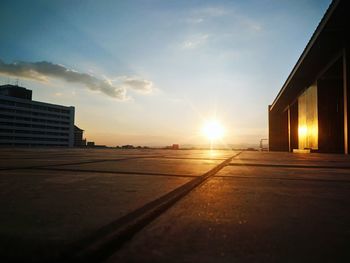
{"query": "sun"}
{"type": "Point", "coordinates": [213, 130]}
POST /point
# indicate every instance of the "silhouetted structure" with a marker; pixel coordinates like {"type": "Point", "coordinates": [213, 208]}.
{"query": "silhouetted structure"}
{"type": "Point", "coordinates": [173, 147]}
{"type": "Point", "coordinates": [78, 137]}
{"type": "Point", "coordinates": [263, 146]}
{"type": "Point", "coordinates": [311, 111]}
{"type": "Point", "coordinates": [128, 146]}
{"type": "Point", "coordinates": [16, 91]}
{"type": "Point", "coordinates": [24, 122]}
{"type": "Point", "coordinates": [90, 144]}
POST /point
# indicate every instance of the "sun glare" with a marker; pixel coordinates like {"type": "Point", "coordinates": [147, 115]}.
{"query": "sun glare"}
{"type": "Point", "coordinates": [213, 130]}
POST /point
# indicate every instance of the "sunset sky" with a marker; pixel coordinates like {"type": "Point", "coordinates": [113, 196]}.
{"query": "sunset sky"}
{"type": "Point", "coordinates": [151, 72]}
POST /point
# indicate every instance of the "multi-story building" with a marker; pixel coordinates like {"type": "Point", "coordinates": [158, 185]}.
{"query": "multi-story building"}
{"type": "Point", "coordinates": [24, 122]}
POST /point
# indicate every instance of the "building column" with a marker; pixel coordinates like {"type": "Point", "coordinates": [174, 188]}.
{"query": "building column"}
{"type": "Point", "coordinates": [289, 131]}
{"type": "Point", "coordinates": [293, 123]}
{"type": "Point", "coordinates": [278, 131]}
{"type": "Point", "coordinates": [346, 101]}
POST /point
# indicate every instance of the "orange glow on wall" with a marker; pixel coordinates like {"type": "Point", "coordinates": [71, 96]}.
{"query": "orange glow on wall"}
{"type": "Point", "coordinates": [302, 131]}
{"type": "Point", "coordinates": [308, 119]}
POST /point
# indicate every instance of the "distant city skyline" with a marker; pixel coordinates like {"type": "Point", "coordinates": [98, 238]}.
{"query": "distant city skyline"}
{"type": "Point", "coordinates": [151, 72]}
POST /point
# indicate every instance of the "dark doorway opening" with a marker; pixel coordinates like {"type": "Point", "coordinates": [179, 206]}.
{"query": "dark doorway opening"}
{"type": "Point", "coordinates": [331, 109]}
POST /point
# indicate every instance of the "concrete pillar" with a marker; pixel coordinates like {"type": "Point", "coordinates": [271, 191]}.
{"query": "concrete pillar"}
{"type": "Point", "coordinates": [293, 125]}
{"type": "Point", "coordinates": [346, 99]}
{"type": "Point", "coordinates": [278, 131]}
{"type": "Point", "coordinates": [289, 138]}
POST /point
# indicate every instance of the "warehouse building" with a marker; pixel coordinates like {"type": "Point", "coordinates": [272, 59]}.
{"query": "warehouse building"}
{"type": "Point", "coordinates": [311, 111]}
{"type": "Point", "coordinates": [24, 122]}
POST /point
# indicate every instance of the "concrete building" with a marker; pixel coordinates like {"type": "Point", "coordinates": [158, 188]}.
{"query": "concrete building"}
{"type": "Point", "coordinates": [79, 140]}
{"type": "Point", "coordinates": [24, 122]}
{"type": "Point", "coordinates": [311, 111]}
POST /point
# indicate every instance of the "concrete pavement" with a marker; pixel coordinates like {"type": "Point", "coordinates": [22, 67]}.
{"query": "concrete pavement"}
{"type": "Point", "coordinates": [261, 207]}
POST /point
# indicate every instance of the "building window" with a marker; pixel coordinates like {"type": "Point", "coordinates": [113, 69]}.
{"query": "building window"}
{"type": "Point", "coordinates": [308, 119]}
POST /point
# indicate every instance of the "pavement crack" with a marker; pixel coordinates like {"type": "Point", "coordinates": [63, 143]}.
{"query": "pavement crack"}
{"type": "Point", "coordinates": [110, 238]}
{"type": "Point", "coordinates": [78, 163]}
{"type": "Point", "coordinates": [290, 166]}
{"type": "Point", "coordinates": [115, 172]}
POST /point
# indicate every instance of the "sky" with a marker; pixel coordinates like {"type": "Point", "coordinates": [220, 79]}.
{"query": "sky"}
{"type": "Point", "coordinates": [152, 72]}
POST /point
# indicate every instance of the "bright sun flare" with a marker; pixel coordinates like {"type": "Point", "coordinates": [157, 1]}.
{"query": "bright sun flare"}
{"type": "Point", "coordinates": [213, 130]}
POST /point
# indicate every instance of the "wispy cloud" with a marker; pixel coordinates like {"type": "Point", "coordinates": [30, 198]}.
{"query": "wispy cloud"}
{"type": "Point", "coordinates": [194, 20]}
{"type": "Point", "coordinates": [42, 71]}
{"type": "Point", "coordinates": [140, 85]}
{"type": "Point", "coordinates": [194, 41]}
{"type": "Point", "coordinates": [204, 14]}
{"type": "Point", "coordinates": [216, 26]}
{"type": "Point", "coordinates": [210, 11]}
{"type": "Point", "coordinates": [199, 15]}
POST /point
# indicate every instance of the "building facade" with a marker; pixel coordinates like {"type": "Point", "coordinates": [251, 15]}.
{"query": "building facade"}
{"type": "Point", "coordinates": [311, 111]}
{"type": "Point", "coordinates": [24, 122]}
{"type": "Point", "coordinates": [79, 140]}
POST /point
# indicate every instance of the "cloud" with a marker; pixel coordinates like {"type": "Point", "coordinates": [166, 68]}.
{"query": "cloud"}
{"type": "Point", "coordinates": [143, 86]}
{"type": "Point", "coordinates": [211, 11]}
{"type": "Point", "coordinates": [199, 15]}
{"type": "Point", "coordinates": [194, 20]}
{"type": "Point", "coordinates": [223, 14]}
{"type": "Point", "coordinates": [195, 41]}
{"type": "Point", "coordinates": [42, 71]}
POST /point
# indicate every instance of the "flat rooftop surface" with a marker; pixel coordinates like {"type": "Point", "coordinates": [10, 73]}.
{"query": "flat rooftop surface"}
{"type": "Point", "coordinates": [112, 205]}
